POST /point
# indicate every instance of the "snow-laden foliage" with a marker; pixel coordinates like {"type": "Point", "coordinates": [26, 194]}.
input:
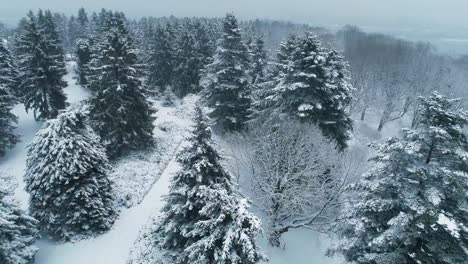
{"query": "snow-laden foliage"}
{"type": "Point", "coordinates": [226, 81]}
{"type": "Point", "coordinates": [41, 65]}
{"type": "Point", "coordinates": [18, 231]}
{"type": "Point", "coordinates": [258, 60]}
{"type": "Point", "coordinates": [403, 207]}
{"type": "Point", "coordinates": [7, 86]}
{"type": "Point", "coordinates": [161, 62]}
{"type": "Point", "coordinates": [120, 112]}
{"type": "Point", "coordinates": [296, 175]}
{"type": "Point", "coordinates": [66, 177]}
{"type": "Point", "coordinates": [203, 220]}
{"type": "Point", "coordinates": [312, 84]}
{"type": "Point", "coordinates": [194, 50]}
{"type": "Point", "coordinates": [8, 71]}
{"type": "Point", "coordinates": [83, 57]}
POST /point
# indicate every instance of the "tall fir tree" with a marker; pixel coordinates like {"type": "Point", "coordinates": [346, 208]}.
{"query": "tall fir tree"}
{"type": "Point", "coordinates": [161, 63]}
{"type": "Point", "coordinates": [18, 231]}
{"type": "Point", "coordinates": [41, 66]}
{"type": "Point", "coordinates": [313, 84]}
{"type": "Point", "coordinates": [203, 220]}
{"type": "Point", "coordinates": [66, 177]}
{"type": "Point", "coordinates": [420, 186]}
{"type": "Point", "coordinates": [8, 120]}
{"type": "Point", "coordinates": [83, 58]}
{"type": "Point", "coordinates": [8, 81]}
{"type": "Point", "coordinates": [82, 22]}
{"type": "Point", "coordinates": [120, 113]}
{"type": "Point", "coordinates": [226, 82]}
{"type": "Point", "coordinates": [258, 58]}
{"type": "Point", "coordinates": [8, 70]}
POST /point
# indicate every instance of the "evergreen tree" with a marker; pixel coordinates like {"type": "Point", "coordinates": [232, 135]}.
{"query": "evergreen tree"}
{"type": "Point", "coordinates": [70, 194]}
{"type": "Point", "coordinates": [18, 232]}
{"type": "Point", "coordinates": [83, 56]}
{"type": "Point", "coordinates": [8, 71]}
{"type": "Point", "coordinates": [8, 75]}
{"type": "Point", "coordinates": [258, 60]}
{"type": "Point", "coordinates": [226, 82]}
{"type": "Point", "coordinates": [73, 30]}
{"type": "Point", "coordinates": [161, 63]}
{"type": "Point", "coordinates": [203, 220]}
{"type": "Point", "coordinates": [187, 64]}
{"type": "Point", "coordinates": [313, 85]}
{"type": "Point", "coordinates": [120, 113]}
{"type": "Point", "coordinates": [421, 180]}
{"type": "Point", "coordinates": [7, 120]}
{"type": "Point", "coordinates": [193, 53]}
{"type": "Point", "coordinates": [82, 22]}
{"type": "Point", "coordinates": [41, 66]}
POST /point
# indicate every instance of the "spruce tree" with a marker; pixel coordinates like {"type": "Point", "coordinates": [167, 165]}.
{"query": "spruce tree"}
{"type": "Point", "coordinates": [7, 85]}
{"type": "Point", "coordinates": [161, 63]}
{"type": "Point", "coordinates": [258, 59]}
{"type": "Point", "coordinates": [120, 113]}
{"type": "Point", "coordinates": [66, 177]}
{"type": "Point", "coordinates": [419, 185]}
{"type": "Point", "coordinates": [313, 85]}
{"type": "Point", "coordinates": [41, 66]}
{"type": "Point", "coordinates": [8, 120]}
{"type": "Point", "coordinates": [203, 220]}
{"type": "Point", "coordinates": [82, 22]}
{"type": "Point", "coordinates": [8, 71]}
{"type": "Point", "coordinates": [187, 64]}
{"type": "Point", "coordinates": [226, 81]}
{"type": "Point", "coordinates": [83, 56]}
{"type": "Point", "coordinates": [18, 231]}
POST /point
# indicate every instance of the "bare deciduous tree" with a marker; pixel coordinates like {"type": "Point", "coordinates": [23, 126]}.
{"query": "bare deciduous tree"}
{"type": "Point", "coordinates": [295, 173]}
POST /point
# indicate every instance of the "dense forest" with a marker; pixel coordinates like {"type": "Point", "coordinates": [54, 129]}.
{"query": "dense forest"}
{"type": "Point", "coordinates": [278, 127]}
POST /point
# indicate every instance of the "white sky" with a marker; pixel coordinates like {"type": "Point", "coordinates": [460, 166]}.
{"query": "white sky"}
{"type": "Point", "coordinates": [381, 13]}
{"type": "Point", "coordinates": [419, 19]}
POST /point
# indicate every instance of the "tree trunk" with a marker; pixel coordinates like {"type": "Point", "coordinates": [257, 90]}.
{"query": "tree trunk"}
{"type": "Point", "coordinates": [274, 236]}
{"type": "Point", "coordinates": [382, 121]}
{"type": "Point", "coordinates": [363, 113]}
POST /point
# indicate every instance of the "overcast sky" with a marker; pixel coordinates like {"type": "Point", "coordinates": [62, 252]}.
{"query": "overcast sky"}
{"type": "Point", "coordinates": [443, 18]}
{"type": "Point", "coordinates": [406, 13]}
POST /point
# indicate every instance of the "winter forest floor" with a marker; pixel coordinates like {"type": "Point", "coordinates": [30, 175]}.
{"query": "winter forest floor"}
{"type": "Point", "coordinates": [140, 180]}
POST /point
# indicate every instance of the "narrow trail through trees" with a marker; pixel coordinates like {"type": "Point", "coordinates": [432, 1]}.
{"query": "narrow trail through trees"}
{"type": "Point", "coordinates": [112, 247]}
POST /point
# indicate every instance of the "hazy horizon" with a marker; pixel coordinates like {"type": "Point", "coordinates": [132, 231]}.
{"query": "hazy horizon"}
{"type": "Point", "coordinates": [444, 23]}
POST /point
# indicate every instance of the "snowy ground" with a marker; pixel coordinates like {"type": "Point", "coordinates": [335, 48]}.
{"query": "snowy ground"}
{"type": "Point", "coordinates": [134, 175]}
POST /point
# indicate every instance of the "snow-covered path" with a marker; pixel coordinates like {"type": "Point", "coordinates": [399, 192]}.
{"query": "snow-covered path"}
{"type": "Point", "coordinates": [14, 162]}
{"type": "Point", "coordinates": [112, 247]}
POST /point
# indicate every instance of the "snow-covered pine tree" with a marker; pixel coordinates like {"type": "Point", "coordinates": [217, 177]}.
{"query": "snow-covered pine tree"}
{"type": "Point", "coordinates": [226, 82]}
{"type": "Point", "coordinates": [41, 66]}
{"type": "Point", "coordinates": [18, 231]}
{"type": "Point", "coordinates": [161, 63]}
{"type": "Point", "coordinates": [263, 94]}
{"type": "Point", "coordinates": [258, 60]}
{"type": "Point", "coordinates": [413, 207]}
{"type": "Point", "coordinates": [203, 220]}
{"type": "Point", "coordinates": [66, 177]}
{"type": "Point", "coordinates": [193, 52]}
{"type": "Point", "coordinates": [83, 56]}
{"type": "Point", "coordinates": [8, 120]}
{"type": "Point", "coordinates": [7, 85]}
{"type": "Point", "coordinates": [313, 85]}
{"type": "Point", "coordinates": [82, 22]}
{"type": "Point", "coordinates": [8, 71]}
{"type": "Point", "coordinates": [120, 113]}
{"type": "Point", "coordinates": [187, 66]}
